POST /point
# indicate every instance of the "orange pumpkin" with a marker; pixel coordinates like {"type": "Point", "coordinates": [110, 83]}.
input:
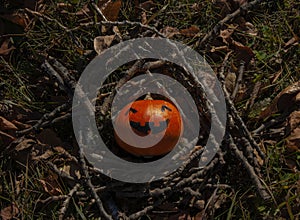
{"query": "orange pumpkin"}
{"type": "Point", "coordinates": [150, 120]}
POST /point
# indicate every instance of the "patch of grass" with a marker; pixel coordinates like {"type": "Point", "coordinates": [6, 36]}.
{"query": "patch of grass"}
{"type": "Point", "coordinates": [21, 188]}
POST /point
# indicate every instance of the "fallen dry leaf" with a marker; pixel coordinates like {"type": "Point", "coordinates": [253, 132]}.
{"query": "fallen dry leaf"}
{"type": "Point", "coordinates": [170, 32]}
{"type": "Point", "coordinates": [292, 165]}
{"type": "Point", "coordinates": [258, 158]}
{"type": "Point", "coordinates": [5, 139]}
{"type": "Point", "coordinates": [242, 52]}
{"type": "Point", "coordinates": [285, 101]}
{"type": "Point", "coordinates": [51, 185]}
{"type": "Point", "coordinates": [294, 120]}
{"type": "Point", "coordinates": [24, 150]}
{"type": "Point", "coordinates": [110, 8]}
{"type": "Point", "coordinates": [16, 18]}
{"type": "Point", "coordinates": [20, 125]}
{"type": "Point", "coordinates": [6, 125]}
{"type": "Point", "coordinates": [25, 144]}
{"type": "Point", "coordinates": [5, 48]}
{"type": "Point", "coordinates": [293, 41]}
{"type": "Point", "coordinates": [20, 150]}
{"type": "Point", "coordinates": [48, 136]}
{"type": "Point", "coordinates": [199, 216]}
{"type": "Point", "coordinates": [144, 18]}
{"type": "Point", "coordinates": [180, 216]}
{"type": "Point", "coordinates": [226, 35]}
{"type": "Point", "coordinates": [199, 204]}
{"type": "Point", "coordinates": [191, 31]}
{"type": "Point", "coordinates": [147, 5]}
{"type": "Point", "coordinates": [46, 155]}
{"type": "Point", "coordinates": [228, 6]}
{"type": "Point", "coordinates": [9, 212]}
{"type": "Point", "coordinates": [293, 140]}
{"type": "Point", "coordinates": [230, 80]}
{"type": "Point", "coordinates": [103, 42]}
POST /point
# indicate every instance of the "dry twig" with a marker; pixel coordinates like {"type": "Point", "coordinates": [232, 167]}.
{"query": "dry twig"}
{"type": "Point", "coordinates": [239, 79]}
{"type": "Point", "coordinates": [215, 31]}
{"type": "Point", "coordinates": [261, 190]}
{"type": "Point", "coordinates": [66, 203]}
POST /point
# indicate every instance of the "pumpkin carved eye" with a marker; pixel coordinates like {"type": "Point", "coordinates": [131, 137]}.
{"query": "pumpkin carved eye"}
{"type": "Point", "coordinates": [133, 110]}
{"type": "Point", "coordinates": [164, 107]}
{"type": "Point", "coordinates": [150, 117]}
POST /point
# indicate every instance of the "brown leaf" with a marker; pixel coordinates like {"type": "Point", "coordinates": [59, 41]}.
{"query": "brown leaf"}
{"type": "Point", "coordinates": [46, 155]}
{"type": "Point", "coordinates": [293, 140]}
{"type": "Point", "coordinates": [226, 35]}
{"type": "Point", "coordinates": [180, 216]}
{"type": "Point", "coordinates": [243, 53]}
{"type": "Point", "coordinates": [199, 204]}
{"type": "Point", "coordinates": [110, 8]}
{"type": "Point", "coordinates": [103, 42]}
{"type": "Point", "coordinates": [147, 5]}
{"type": "Point", "coordinates": [227, 6]}
{"type": "Point", "coordinates": [48, 136]}
{"type": "Point", "coordinates": [199, 216]}
{"type": "Point", "coordinates": [294, 120]}
{"type": "Point", "coordinates": [20, 125]}
{"type": "Point", "coordinates": [6, 48]}
{"type": "Point", "coordinates": [292, 164]}
{"type": "Point", "coordinates": [230, 80]}
{"type": "Point", "coordinates": [20, 149]}
{"type": "Point", "coordinates": [16, 18]}
{"type": "Point", "coordinates": [72, 168]}
{"type": "Point", "coordinates": [60, 150]}
{"type": "Point", "coordinates": [170, 32]}
{"type": "Point", "coordinates": [144, 18]}
{"type": "Point", "coordinates": [9, 212]}
{"type": "Point", "coordinates": [25, 144]}
{"type": "Point", "coordinates": [259, 159]}
{"type": "Point", "coordinates": [293, 41]}
{"type": "Point", "coordinates": [6, 125]}
{"type": "Point", "coordinates": [5, 139]}
{"type": "Point", "coordinates": [285, 101]}
{"type": "Point", "coordinates": [51, 185]}
{"type": "Point", "coordinates": [191, 31]}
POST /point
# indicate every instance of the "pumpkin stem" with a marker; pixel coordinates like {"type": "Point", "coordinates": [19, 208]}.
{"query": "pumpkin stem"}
{"type": "Point", "coordinates": [148, 96]}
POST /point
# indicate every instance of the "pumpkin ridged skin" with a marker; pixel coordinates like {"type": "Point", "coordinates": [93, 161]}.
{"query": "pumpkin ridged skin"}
{"type": "Point", "coordinates": [165, 118]}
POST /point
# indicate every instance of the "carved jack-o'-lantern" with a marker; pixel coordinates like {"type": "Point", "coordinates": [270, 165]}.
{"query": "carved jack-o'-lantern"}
{"type": "Point", "coordinates": [156, 120]}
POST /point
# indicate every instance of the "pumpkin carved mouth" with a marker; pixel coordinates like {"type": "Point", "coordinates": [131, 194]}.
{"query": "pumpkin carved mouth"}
{"type": "Point", "coordinates": [150, 127]}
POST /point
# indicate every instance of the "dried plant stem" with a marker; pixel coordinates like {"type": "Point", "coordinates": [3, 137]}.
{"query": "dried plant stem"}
{"type": "Point", "coordinates": [261, 190]}
{"type": "Point", "coordinates": [239, 80]}
{"type": "Point", "coordinates": [215, 31]}
{"type": "Point", "coordinates": [66, 203]}
{"type": "Point", "coordinates": [91, 187]}
{"type": "Point", "coordinates": [122, 23]}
